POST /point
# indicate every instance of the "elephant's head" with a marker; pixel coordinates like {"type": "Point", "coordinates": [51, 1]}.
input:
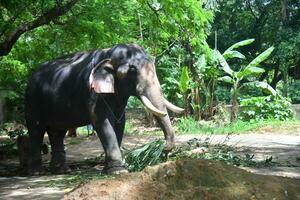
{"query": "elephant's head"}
{"type": "Point", "coordinates": [128, 71]}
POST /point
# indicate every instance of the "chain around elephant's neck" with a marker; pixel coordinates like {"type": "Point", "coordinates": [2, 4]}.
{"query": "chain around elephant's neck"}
{"type": "Point", "coordinates": [118, 120]}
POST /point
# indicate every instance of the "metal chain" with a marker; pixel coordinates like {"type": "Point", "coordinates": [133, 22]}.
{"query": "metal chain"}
{"type": "Point", "coordinates": [109, 108]}
{"type": "Point", "coordinates": [118, 120]}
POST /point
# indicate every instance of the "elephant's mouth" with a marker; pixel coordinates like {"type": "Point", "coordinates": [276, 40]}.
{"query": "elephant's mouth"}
{"type": "Point", "coordinates": [155, 111]}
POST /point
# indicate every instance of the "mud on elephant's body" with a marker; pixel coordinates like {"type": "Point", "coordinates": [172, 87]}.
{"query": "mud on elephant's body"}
{"type": "Point", "coordinates": [92, 87]}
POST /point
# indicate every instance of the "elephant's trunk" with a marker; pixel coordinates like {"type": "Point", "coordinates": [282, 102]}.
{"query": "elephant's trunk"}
{"type": "Point", "coordinates": [150, 93]}
{"type": "Point", "coordinates": [155, 103]}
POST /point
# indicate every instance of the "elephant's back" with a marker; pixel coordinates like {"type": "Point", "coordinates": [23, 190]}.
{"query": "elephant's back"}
{"type": "Point", "coordinates": [60, 88]}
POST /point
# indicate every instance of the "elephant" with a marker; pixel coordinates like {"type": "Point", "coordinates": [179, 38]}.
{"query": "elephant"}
{"type": "Point", "coordinates": [92, 87]}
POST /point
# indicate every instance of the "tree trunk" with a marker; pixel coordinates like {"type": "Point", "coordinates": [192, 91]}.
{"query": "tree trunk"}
{"type": "Point", "coordinates": [48, 16]}
{"type": "Point", "coordinates": [284, 12]}
{"type": "Point", "coordinates": [234, 106]}
{"type": "Point", "coordinates": [212, 92]}
{"type": "Point", "coordinates": [197, 103]}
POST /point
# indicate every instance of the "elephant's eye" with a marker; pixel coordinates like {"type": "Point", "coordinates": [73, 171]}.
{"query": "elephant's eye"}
{"type": "Point", "coordinates": [132, 69]}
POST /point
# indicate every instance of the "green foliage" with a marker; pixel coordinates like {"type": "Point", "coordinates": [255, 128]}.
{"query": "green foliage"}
{"type": "Point", "coordinates": [12, 72]}
{"type": "Point", "coordinates": [223, 94]}
{"type": "Point", "coordinates": [133, 102]}
{"type": "Point", "coordinates": [220, 152]}
{"type": "Point", "coordinates": [169, 71]}
{"type": "Point", "coordinates": [70, 181]}
{"type": "Point", "coordinates": [129, 127]}
{"type": "Point", "coordinates": [294, 91]}
{"type": "Point", "coordinates": [187, 125]}
{"type": "Point", "coordinates": [235, 78]}
{"type": "Point", "coordinates": [262, 108]}
{"type": "Point", "coordinates": [152, 153]}
{"type": "Point", "coordinates": [230, 53]}
{"type": "Point", "coordinates": [8, 147]}
{"type": "Point", "coordinates": [13, 76]}
{"type": "Point", "coordinates": [159, 26]}
{"type": "Point", "coordinates": [238, 45]}
{"type": "Point", "coordinates": [270, 23]}
{"type": "Point", "coordinates": [184, 80]}
{"type": "Point", "coordinates": [13, 130]}
{"type": "Point", "coordinates": [238, 127]}
{"type": "Point", "coordinates": [146, 155]}
{"type": "Point", "coordinates": [263, 85]}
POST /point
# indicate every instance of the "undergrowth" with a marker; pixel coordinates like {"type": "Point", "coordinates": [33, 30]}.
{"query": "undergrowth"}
{"type": "Point", "coordinates": [190, 126]}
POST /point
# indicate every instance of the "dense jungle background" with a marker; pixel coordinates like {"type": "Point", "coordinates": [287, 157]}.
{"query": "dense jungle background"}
{"type": "Point", "coordinates": [233, 65]}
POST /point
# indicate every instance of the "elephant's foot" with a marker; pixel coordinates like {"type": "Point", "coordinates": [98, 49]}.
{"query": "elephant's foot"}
{"type": "Point", "coordinates": [58, 163]}
{"type": "Point", "coordinates": [35, 171]}
{"type": "Point", "coordinates": [114, 168]}
{"type": "Point", "coordinates": [170, 143]}
{"type": "Point", "coordinates": [59, 169]}
{"type": "Point", "coordinates": [35, 168]}
{"type": "Point", "coordinates": [169, 146]}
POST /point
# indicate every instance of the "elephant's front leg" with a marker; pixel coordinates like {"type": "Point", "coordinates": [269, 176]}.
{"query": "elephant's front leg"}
{"type": "Point", "coordinates": [119, 127]}
{"type": "Point", "coordinates": [113, 157]}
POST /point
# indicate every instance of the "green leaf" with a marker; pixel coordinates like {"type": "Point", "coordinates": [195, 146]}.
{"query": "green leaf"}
{"type": "Point", "coordinates": [240, 44]}
{"type": "Point", "coordinates": [233, 54]}
{"type": "Point", "coordinates": [184, 80]}
{"type": "Point", "coordinates": [145, 155]}
{"type": "Point", "coordinates": [226, 79]}
{"type": "Point", "coordinates": [261, 57]}
{"type": "Point", "coordinates": [201, 64]}
{"type": "Point", "coordinates": [263, 85]}
{"type": "Point", "coordinates": [249, 71]}
{"type": "Point", "coordinates": [223, 62]}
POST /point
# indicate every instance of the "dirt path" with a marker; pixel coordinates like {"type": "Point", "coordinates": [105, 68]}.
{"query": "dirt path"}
{"type": "Point", "coordinates": [283, 148]}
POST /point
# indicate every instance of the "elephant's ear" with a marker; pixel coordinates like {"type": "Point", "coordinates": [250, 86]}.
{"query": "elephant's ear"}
{"type": "Point", "coordinates": [101, 78]}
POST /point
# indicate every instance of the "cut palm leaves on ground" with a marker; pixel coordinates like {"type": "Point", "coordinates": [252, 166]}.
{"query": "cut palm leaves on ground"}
{"type": "Point", "coordinates": [146, 155]}
{"type": "Point", "coordinates": [153, 153]}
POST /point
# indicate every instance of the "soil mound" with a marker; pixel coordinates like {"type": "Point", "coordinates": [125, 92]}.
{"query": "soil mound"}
{"type": "Point", "coordinates": [190, 179]}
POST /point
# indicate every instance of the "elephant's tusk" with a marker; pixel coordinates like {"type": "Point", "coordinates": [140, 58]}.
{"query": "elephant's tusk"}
{"type": "Point", "coordinates": [147, 103]}
{"type": "Point", "coordinates": [172, 107]}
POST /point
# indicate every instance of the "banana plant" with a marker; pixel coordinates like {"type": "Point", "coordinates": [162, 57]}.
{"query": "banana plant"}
{"type": "Point", "coordinates": [184, 86]}
{"type": "Point", "coordinates": [235, 77]}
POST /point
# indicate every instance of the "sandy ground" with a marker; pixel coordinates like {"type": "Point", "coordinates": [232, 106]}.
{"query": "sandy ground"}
{"type": "Point", "coordinates": [283, 148]}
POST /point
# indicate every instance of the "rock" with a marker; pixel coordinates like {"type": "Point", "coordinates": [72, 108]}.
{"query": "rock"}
{"type": "Point", "coordinates": [199, 150]}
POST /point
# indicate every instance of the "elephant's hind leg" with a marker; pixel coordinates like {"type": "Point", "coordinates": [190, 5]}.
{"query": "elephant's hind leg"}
{"type": "Point", "coordinates": [58, 155]}
{"type": "Point", "coordinates": [36, 136]}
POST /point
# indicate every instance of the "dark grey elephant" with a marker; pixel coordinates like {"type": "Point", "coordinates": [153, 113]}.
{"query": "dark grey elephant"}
{"type": "Point", "coordinates": [92, 87]}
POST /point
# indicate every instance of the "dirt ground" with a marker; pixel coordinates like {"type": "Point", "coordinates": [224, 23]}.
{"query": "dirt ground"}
{"type": "Point", "coordinates": [284, 149]}
{"type": "Point", "coordinates": [189, 179]}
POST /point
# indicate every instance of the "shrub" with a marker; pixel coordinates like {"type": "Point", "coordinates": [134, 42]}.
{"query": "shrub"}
{"type": "Point", "coordinates": [269, 107]}
{"type": "Point", "coordinates": [294, 91]}
{"type": "Point", "coordinates": [188, 125]}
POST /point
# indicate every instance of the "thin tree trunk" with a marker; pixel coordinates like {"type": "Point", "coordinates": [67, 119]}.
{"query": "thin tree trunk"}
{"type": "Point", "coordinates": [212, 91]}
{"type": "Point", "coordinates": [234, 106]}
{"type": "Point", "coordinates": [140, 27]}
{"type": "Point", "coordinates": [284, 12]}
